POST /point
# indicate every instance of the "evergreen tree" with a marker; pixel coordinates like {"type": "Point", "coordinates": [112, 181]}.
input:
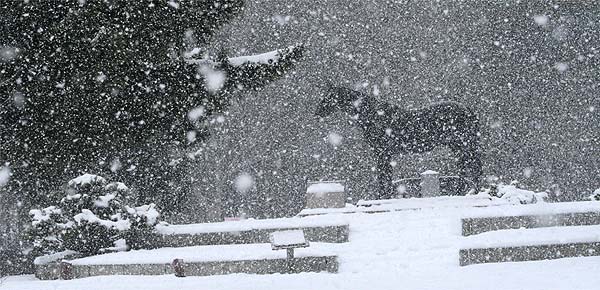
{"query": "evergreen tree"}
{"type": "Point", "coordinates": [99, 85]}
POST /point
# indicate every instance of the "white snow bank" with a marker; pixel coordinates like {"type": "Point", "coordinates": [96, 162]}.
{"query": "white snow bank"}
{"type": "Point", "coordinates": [200, 254]}
{"type": "Point", "coordinates": [536, 236]}
{"type": "Point", "coordinates": [411, 204]}
{"type": "Point", "coordinates": [86, 179]}
{"type": "Point", "coordinates": [417, 249]}
{"type": "Point", "coordinates": [325, 187]}
{"type": "Point", "coordinates": [515, 195]}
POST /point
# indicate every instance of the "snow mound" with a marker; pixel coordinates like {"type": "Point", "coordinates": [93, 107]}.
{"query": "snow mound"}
{"type": "Point", "coordinates": [515, 195]}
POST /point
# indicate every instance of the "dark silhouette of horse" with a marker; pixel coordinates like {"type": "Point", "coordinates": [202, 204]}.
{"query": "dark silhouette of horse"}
{"type": "Point", "coordinates": [390, 130]}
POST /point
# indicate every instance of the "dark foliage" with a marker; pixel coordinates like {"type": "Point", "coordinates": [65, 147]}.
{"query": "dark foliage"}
{"type": "Point", "coordinates": [101, 81]}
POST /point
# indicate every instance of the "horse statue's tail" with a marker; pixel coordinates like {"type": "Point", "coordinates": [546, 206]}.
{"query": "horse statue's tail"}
{"type": "Point", "coordinates": [476, 164]}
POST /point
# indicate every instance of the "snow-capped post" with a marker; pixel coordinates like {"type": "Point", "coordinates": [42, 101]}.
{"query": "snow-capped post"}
{"type": "Point", "coordinates": [66, 270]}
{"type": "Point", "coordinates": [325, 194]}
{"type": "Point", "coordinates": [430, 183]}
{"type": "Point", "coordinates": [178, 267]}
{"type": "Point", "coordinates": [288, 240]}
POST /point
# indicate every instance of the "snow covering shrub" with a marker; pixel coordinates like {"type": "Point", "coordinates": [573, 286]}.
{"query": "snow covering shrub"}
{"type": "Point", "coordinates": [93, 207]}
{"type": "Point", "coordinates": [47, 225]}
{"type": "Point", "coordinates": [142, 234]}
{"type": "Point", "coordinates": [595, 195]}
{"type": "Point", "coordinates": [514, 194]}
{"type": "Point", "coordinates": [92, 219]}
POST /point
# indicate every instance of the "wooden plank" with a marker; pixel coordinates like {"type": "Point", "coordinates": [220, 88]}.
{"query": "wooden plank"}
{"type": "Point", "coordinates": [326, 234]}
{"type": "Point", "coordinates": [262, 266]}
{"type": "Point", "coordinates": [265, 266]}
{"type": "Point", "coordinates": [528, 253]}
{"type": "Point", "coordinates": [472, 226]}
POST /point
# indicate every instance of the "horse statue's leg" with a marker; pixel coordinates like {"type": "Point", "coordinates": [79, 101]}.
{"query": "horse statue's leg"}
{"type": "Point", "coordinates": [384, 176]}
{"type": "Point", "coordinates": [469, 165]}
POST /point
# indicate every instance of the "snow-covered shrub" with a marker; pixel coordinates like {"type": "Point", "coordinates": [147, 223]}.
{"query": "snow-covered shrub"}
{"type": "Point", "coordinates": [45, 232]}
{"type": "Point", "coordinates": [514, 194]}
{"type": "Point", "coordinates": [595, 195]}
{"type": "Point", "coordinates": [92, 218]}
{"type": "Point", "coordinates": [94, 209]}
{"type": "Point", "coordinates": [143, 220]}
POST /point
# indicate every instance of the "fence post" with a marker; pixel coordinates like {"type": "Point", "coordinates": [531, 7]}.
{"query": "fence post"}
{"type": "Point", "coordinates": [430, 183]}
{"type": "Point", "coordinates": [178, 267]}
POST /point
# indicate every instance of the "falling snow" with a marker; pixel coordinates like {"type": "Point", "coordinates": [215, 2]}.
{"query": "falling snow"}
{"type": "Point", "coordinates": [209, 111]}
{"type": "Point", "coordinates": [244, 182]}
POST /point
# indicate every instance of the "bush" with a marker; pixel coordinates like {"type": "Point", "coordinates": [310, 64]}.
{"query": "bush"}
{"type": "Point", "coordinates": [596, 195]}
{"type": "Point", "coordinates": [142, 234]}
{"type": "Point", "coordinates": [45, 233]}
{"type": "Point", "coordinates": [92, 219]}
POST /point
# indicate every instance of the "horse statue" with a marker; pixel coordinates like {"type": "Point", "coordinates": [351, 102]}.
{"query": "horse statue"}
{"type": "Point", "coordinates": [391, 130]}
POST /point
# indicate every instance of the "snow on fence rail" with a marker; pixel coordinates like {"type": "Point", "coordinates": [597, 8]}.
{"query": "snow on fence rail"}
{"type": "Point", "coordinates": [533, 216]}
{"type": "Point", "coordinates": [531, 232]}
{"type": "Point", "coordinates": [251, 231]}
{"type": "Point", "coordinates": [198, 261]}
{"type": "Point", "coordinates": [530, 244]}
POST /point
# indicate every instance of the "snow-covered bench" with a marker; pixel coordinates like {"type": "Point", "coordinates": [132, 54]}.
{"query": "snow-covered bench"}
{"type": "Point", "coordinates": [252, 231]}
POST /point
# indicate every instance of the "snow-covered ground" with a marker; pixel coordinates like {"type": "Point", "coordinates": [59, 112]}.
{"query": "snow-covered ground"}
{"type": "Point", "coordinates": [413, 249]}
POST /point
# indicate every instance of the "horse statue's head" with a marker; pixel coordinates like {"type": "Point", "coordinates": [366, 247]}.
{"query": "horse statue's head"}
{"type": "Point", "coordinates": [337, 98]}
